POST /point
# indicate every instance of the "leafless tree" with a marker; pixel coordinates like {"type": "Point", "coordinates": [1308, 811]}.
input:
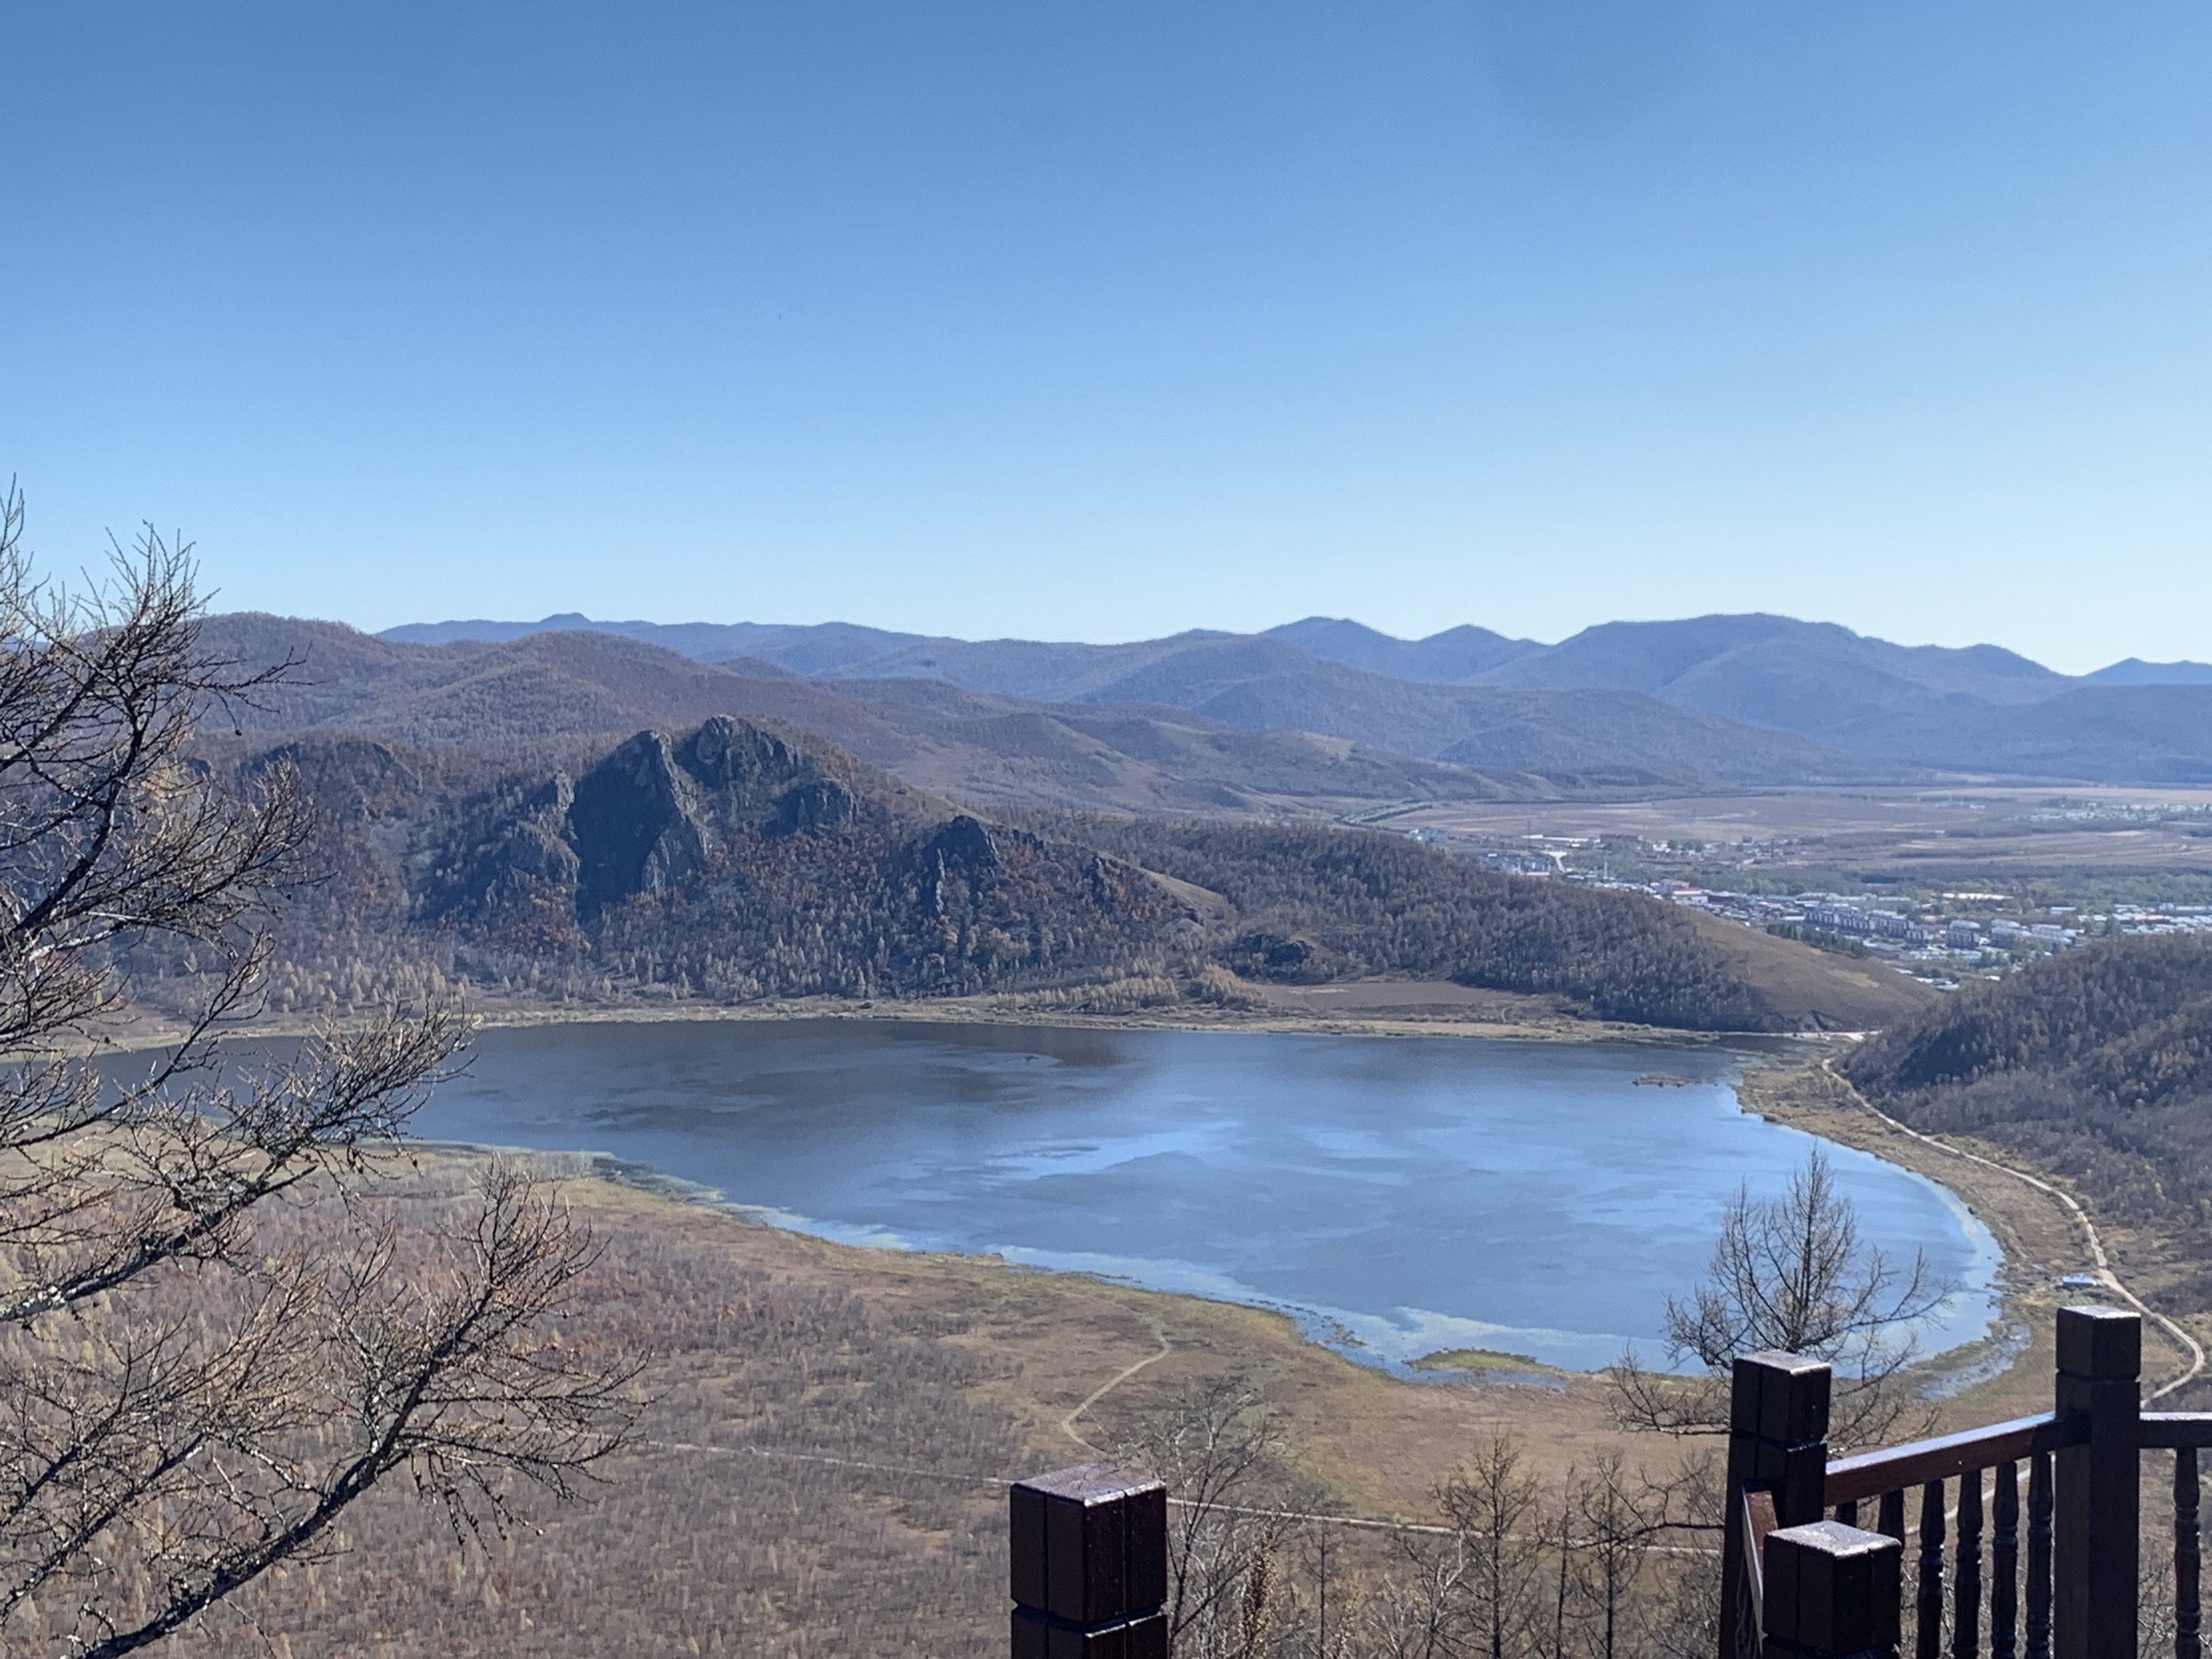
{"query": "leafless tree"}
{"type": "Point", "coordinates": [1618, 1517]}
{"type": "Point", "coordinates": [1792, 1273]}
{"type": "Point", "coordinates": [1420, 1609]}
{"type": "Point", "coordinates": [1685, 1610]}
{"type": "Point", "coordinates": [1491, 1502]}
{"type": "Point", "coordinates": [1231, 1511]}
{"type": "Point", "coordinates": [218, 1333]}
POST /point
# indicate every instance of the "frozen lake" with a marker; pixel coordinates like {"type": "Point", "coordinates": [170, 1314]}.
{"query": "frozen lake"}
{"type": "Point", "coordinates": [1413, 1193]}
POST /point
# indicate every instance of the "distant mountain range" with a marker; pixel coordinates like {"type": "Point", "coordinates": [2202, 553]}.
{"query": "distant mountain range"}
{"type": "Point", "coordinates": [2134, 671]}
{"type": "Point", "coordinates": [1748, 698]}
{"type": "Point", "coordinates": [541, 691]}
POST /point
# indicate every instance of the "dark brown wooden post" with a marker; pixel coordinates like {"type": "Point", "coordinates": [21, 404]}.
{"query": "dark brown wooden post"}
{"type": "Point", "coordinates": [1088, 1548]}
{"type": "Point", "coordinates": [1893, 1516]}
{"type": "Point", "coordinates": [2094, 1525]}
{"type": "Point", "coordinates": [1777, 1439]}
{"type": "Point", "coordinates": [1831, 1593]}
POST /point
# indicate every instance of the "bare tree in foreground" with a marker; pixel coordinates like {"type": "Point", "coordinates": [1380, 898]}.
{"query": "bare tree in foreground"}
{"type": "Point", "coordinates": [218, 1334]}
{"type": "Point", "coordinates": [1490, 1501]}
{"type": "Point", "coordinates": [1791, 1274]}
{"type": "Point", "coordinates": [1216, 1445]}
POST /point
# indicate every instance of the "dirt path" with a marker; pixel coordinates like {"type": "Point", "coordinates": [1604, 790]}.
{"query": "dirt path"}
{"type": "Point", "coordinates": [1068, 1422]}
{"type": "Point", "coordinates": [2106, 1275]}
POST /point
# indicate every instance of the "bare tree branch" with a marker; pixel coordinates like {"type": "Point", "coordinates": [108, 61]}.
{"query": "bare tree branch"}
{"type": "Point", "coordinates": [221, 1321]}
{"type": "Point", "coordinates": [1791, 1274]}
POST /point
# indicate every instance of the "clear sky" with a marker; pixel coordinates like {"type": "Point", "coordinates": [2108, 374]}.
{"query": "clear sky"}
{"type": "Point", "coordinates": [1098, 321]}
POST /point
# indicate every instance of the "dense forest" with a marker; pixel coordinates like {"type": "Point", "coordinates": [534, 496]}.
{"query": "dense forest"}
{"type": "Point", "coordinates": [2097, 1062]}
{"type": "Point", "coordinates": [740, 861]}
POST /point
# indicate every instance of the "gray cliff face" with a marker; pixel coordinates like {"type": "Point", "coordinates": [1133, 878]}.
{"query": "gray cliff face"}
{"type": "Point", "coordinates": [534, 857]}
{"type": "Point", "coordinates": [739, 832]}
{"type": "Point", "coordinates": [963, 846]}
{"type": "Point", "coordinates": [819, 804]}
{"type": "Point", "coordinates": [962, 850]}
{"type": "Point", "coordinates": [737, 755]}
{"type": "Point", "coordinates": [638, 822]}
{"type": "Point", "coordinates": [652, 815]}
{"type": "Point", "coordinates": [513, 859]}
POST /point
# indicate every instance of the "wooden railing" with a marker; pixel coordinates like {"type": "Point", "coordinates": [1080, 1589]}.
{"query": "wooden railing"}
{"type": "Point", "coordinates": [1801, 1585]}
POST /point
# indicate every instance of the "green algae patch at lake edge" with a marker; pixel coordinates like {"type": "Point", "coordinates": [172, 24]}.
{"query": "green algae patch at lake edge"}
{"type": "Point", "coordinates": [1489, 1365]}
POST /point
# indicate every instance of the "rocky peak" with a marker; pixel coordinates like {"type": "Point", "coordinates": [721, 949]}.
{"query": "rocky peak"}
{"type": "Point", "coordinates": [726, 752]}
{"type": "Point", "coordinates": [962, 846]}
{"type": "Point", "coordinates": [638, 821]}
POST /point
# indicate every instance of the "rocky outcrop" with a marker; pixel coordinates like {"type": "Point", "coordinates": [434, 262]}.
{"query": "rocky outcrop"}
{"type": "Point", "coordinates": [963, 847]}
{"type": "Point", "coordinates": [1284, 959]}
{"type": "Point", "coordinates": [655, 813]}
{"type": "Point", "coordinates": [735, 755]}
{"type": "Point", "coordinates": [820, 804]}
{"type": "Point", "coordinates": [638, 822]}
{"type": "Point", "coordinates": [352, 776]}
{"type": "Point", "coordinates": [533, 859]}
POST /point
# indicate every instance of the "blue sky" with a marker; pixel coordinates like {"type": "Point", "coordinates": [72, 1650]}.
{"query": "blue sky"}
{"type": "Point", "coordinates": [1102, 321]}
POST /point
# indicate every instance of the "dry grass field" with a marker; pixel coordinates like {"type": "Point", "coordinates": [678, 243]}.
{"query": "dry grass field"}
{"type": "Point", "coordinates": [1903, 834]}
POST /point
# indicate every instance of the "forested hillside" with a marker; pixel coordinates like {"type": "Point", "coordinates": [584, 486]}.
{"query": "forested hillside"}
{"type": "Point", "coordinates": [2097, 1061]}
{"type": "Point", "coordinates": [1315, 904]}
{"type": "Point", "coordinates": [738, 861]}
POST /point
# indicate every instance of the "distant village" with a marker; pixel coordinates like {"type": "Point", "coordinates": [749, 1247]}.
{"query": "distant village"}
{"type": "Point", "coordinates": [1941, 938]}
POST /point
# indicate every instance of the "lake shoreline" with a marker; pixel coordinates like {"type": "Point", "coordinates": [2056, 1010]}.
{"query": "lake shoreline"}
{"type": "Point", "coordinates": [1758, 1056]}
{"type": "Point", "coordinates": [1534, 1024]}
{"type": "Point", "coordinates": [1343, 1086]}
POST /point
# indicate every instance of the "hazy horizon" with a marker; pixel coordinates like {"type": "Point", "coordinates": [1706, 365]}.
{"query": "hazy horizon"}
{"type": "Point", "coordinates": [540, 623]}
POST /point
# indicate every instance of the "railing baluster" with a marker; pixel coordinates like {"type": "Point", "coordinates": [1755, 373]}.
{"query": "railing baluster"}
{"type": "Point", "coordinates": [1848, 1514]}
{"type": "Point", "coordinates": [2039, 1556]}
{"type": "Point", "coordinates": [2187, 1618]}
{"type": "Point", "coordinates": [1928, 1607]}
{"type": "Point", "coordinates": [2004, 1564]}
{"type": "Point", "coordinates": [1893, 1516]}
{"type": "Point", "coordinates": [1966, 1591]}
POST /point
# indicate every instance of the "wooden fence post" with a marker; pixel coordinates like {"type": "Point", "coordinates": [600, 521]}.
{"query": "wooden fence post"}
{"type": "Point", "coordinates": [2095, 1524]}
{"type": "Point", "coordinates": [1088, 1551]}
{"type": "Point", "coordinates": [1832, 1593]}
{"type": "Point", "coordinates": [1777, 1439]}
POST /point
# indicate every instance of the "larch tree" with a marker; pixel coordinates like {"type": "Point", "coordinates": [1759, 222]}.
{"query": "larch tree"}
{"type": "Point", "coordinates": [1792, 1273]}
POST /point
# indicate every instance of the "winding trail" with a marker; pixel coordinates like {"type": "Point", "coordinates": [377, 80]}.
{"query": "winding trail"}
{"type": "Point", "coordinates": [1068, 1422]}
{"type": "Point", "coordinates": [2105, 1274]}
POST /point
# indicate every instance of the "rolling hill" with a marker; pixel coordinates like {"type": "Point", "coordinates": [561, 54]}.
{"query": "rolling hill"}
{"type": "Point", "coordinates": [1204, 723]}
{"type": "Point", "coordinates": [2134, 671]}
{"type": "Point", "coordinates": [1859, 709]}
{"type": "Point", "coordinates": [2096, 1063]}
{"type": "Point", "coordinates": [736, 862]}
{"type": "Point", "coordinates": [544, 692]}
{"type": "Point", "coordinates": [1457, 655]}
